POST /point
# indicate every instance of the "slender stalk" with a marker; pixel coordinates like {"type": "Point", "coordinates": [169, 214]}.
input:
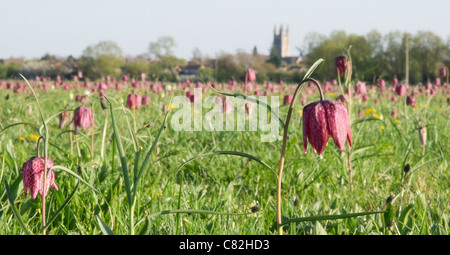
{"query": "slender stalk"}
{"type": "Point", "coordinates": [78, 146]}
{"type": "Point", "coordinates": [43, 183]}
{"type": "Point", "coordinates": [92, 141]}
{"type": "Point", "coordinates": [71, 143]}
{"type": "Point", "coordinates": [102, 153]}
{"type": "Point", "coordinates": [283, 148]}
{"type": "Point", "coordinates": [134, 119]}
{"type": "Point", "coordinates": [92, 133]}
{"type": "Point", "coordinates": [348, 78]}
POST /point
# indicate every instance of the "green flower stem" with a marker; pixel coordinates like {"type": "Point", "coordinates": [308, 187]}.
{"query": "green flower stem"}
{"type": "Point", "coordinates": [283, 148]}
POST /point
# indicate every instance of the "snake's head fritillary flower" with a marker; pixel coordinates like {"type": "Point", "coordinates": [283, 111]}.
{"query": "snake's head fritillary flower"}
{"type": "Point", "coordinates": [251, 76]}
{"type": "Point", "coordinates": [394, 113]}
{"type": "Point", "coordinates": [395, 81]}
{"type": "Point", "coordinates": [145, 100]}
{"type": "Point", "coordinates": [287, 99]}
{"type": "Point", "coordinates": [82, 117]}
{"type": "Point", "coordinates": [33, 176]}
{"type": "Point", "coordinates": [382, 83]}
{"type": "Point", "coordinates": [323, 119]}
{"type": "Point", "coordinates": [400, 89]}
{"type": "Point", "coordinates": [340, 65]}
{"type": "Point", "coordinates": [437, 81]}
{"type": "Point", "coordinates": [411, 100]}
{"type": "Point", "coordinates": [442, 71]}
{"type": "Point", "coordinates": [360, 88]}
{"type": "Point", "coordinates": [134, 101]}
{"type": "Point", "coordinates": [248, 88]}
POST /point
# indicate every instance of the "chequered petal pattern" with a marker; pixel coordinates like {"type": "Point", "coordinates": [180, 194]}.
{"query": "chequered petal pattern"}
{"type": "Point", "coordinates": [33, 176]}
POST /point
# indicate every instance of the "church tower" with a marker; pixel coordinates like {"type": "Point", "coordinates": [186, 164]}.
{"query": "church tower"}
{"type": "Point", "coordinates": [281, 42]}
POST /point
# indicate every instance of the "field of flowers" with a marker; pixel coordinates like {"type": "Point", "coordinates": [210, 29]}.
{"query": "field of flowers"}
{"type": "Point", "coordinates": [373, 160]}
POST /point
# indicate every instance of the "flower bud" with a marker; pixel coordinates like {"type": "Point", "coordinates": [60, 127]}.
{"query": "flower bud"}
{"type": "Point", "coordinates": [423, 135]}
{"type": "Point", "coordinates": [63, 117]}
{"type": "Point", "coordinates": [406, 168]}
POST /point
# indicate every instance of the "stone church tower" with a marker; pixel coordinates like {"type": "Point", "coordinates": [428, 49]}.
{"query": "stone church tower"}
{"type": "Point", "coordinates": [281, 42]}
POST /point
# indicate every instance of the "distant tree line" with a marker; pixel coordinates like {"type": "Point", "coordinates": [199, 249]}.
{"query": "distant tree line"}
{"type": "Point", "coordinates": [381, 56]}
{"type": "Point", "coordinates": [373, 55]}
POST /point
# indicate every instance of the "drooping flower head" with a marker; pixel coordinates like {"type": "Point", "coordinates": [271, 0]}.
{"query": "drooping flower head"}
{"type": "Point", "coordinates": [145, 100]}
{"type": "Point", "coordinates": [134, 101]}
{"type": "Point", "coordinates": [411, 100]}
{"type": "Point", "coordinates": [400, 89]}
{"type": "Point", "coordinates": [33, 176]}
{"type": "Point", "coordinates": [323, 119]}
{"type": "Point", "coordinates": [360, 88]}
{"type": "Point", "coordinates": [287, 99]}
{"type": "Point", "coordinates": [251, 76]}
{"type": "Point", "coordinates": [340, 65]}
{"type": "Point", "coordinates": [437, 81]}
{"type": "Point", "coordinates": [82, 117]}
{"type": "Point", "coordinates": [442, 71]}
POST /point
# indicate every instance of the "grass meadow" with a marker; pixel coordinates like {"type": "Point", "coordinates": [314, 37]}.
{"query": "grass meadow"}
{"type": "Point", "coordinates": [404, 185]}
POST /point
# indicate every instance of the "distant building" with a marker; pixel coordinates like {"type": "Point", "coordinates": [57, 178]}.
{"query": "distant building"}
{"type": "Point", "coordinates": [281, 41]}
{"type": "Point", "coordinates": [191, 69]}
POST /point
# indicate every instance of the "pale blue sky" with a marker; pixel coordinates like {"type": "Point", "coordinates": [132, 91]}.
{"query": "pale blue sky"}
{"type": "Point", "coordinates": [31, 28]}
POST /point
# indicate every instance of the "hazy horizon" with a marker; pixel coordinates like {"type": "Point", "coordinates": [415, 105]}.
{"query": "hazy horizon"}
{"type": "Point", "coordinates": [31, 29]}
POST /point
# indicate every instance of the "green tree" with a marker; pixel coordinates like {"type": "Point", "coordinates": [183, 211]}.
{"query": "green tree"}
{"type": "Point", "coordinates": [135, 68]}
{"type": "Point", "coordinates": [102, 59]}
{"type": "Point", "coordinates": [162, 50]}
{"type": "Point", "coordinates": [274, 58]}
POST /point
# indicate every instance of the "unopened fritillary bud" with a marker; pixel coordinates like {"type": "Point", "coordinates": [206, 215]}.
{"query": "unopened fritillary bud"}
{"type": "Point", "coordinates": [406, 168]}
{"type": "Point", "coordinates": [255, 208]}
{"type": "Point", "coordinates": [423, 135]}
{"type": "Point", "coordinates": [389, 199]}
{"type": "Point", "coordinates": [63, 117]}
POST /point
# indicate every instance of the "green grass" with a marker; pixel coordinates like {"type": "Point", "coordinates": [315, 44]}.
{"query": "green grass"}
{"type": "Point", "coordinates": [312, 185]}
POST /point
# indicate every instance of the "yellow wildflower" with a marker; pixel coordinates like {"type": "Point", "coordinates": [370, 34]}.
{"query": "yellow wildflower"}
{"type": "Point", "coordinates": [33, 137]}
{"type": "Point", "coordinates": [331, 94]}
{"type": "Point", "coordinates": [376, 116]}
{"type": "Point", "coordinates": [382, 128]}
{"type": "Point", "coordinates": [368, 111]}
{"type": "Point", "coordinates": [396, 121]}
